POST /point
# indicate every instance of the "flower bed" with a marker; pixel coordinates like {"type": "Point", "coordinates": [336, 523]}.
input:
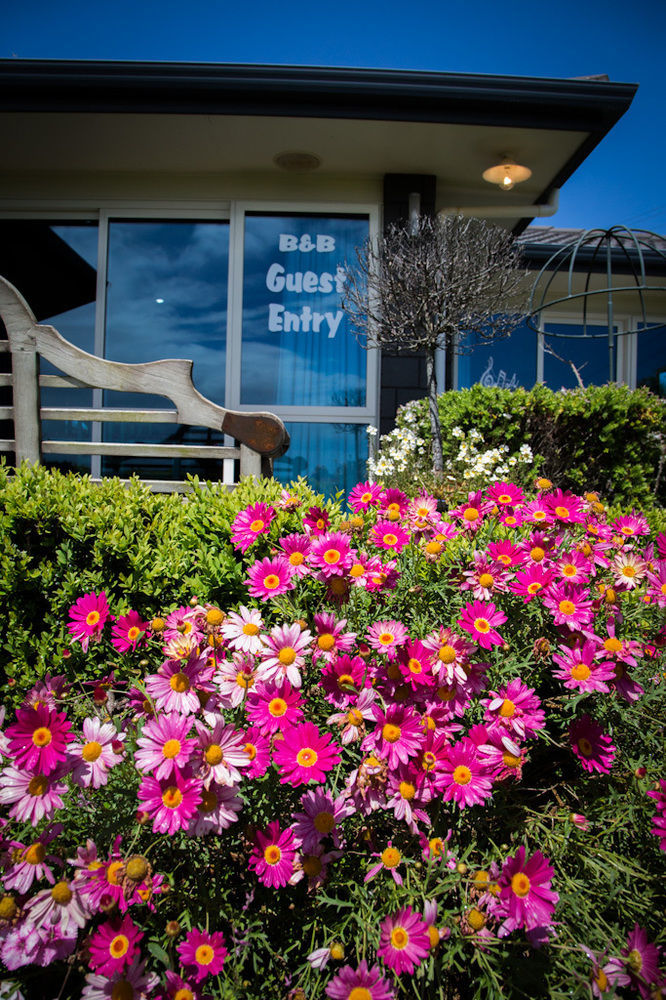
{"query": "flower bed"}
{"type": "Point", "coordinates": [423, 758]}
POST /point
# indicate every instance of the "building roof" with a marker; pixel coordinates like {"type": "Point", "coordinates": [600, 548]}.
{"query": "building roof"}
{"type": "Point", "coordinates": [587, 247]}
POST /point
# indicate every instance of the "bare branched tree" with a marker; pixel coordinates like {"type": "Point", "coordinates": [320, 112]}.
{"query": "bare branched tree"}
{"type": "Point", "coordinates": [426, 285]}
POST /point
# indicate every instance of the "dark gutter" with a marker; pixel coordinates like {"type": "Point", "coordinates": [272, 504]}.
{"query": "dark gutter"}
{"type": "Point", "coordinates": [535, 256]}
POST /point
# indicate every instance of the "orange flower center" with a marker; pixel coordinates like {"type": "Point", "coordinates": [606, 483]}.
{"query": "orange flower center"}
{"type": "Point", "coordinates": [520, 884]}
{"type": "Point", "coordinates": [119, 946]}
{"type": "Point", "coordinates": [35, 854]}
{"type": "Point", "coordinates": [92, 618]}
{"type": "Point", "coordinates": [537, 554]}
{"type": "Point", "coordinates": [332, 556]}
{"type": "Point", "coordinates": [250, 750]}
{"type": "Point", "coordinates": [447, 654]}
{"type": "Point", "coordinates": [391, 857]}
{"type": "Point", "coordinates": [249, 628]}
{"type": "Point", "coordinates": [471, 514]}
{"type": "Point", "coordinates": [214, 754]}
{"type": "Point", "coordinates": [91, 751]}
{"type": "Point", "coordinates": [407, 790]}
{"type": "Point", "coordinates": [171, 749]}
{"type": "Point", "coordinates": [172, 797]}
{"type": "Point", "coordinates": [390, 733]}
{"type": "Point", "coordinates": [580, 672]}
{"type": "Point", "coordinates": [414, 665]}
{"type": "Point", "coordinates": [462, 775]}
{"type": "Point", "coordinates": [42, 737]}
{"type": "Point", "coordinates": [562, 511]}
{"type": "Point", "coordinates": [386, 638]}
{"type": "Point", "coordinates": [112, 872]}
{"type": "Point", "coordinates": [257, 525]}
{"type": "Point", "coordinates": [585, 747]}
{"type": "Point", "coordinates": [271, 581]}
{"type": "Point", "coordinates": [277, 707]}
{"type": "Point", "coordinates": [508, 709]}
{"type": "Point", "coordinates": [486, 580]}
{"type": "Point", "coordinates": [399, 938]}
{"type": "Point", "coordinates": [354, 717]}
{"type": "Point", "coordinates": [204, 954]}
{"type": "Point", "coordinates": [567, 607]}
{"type": "Point", "coordinates": [534, 587]}
{"type": "Point", "coordinates": [389, 539]}
{"type": "Point", "coordinates": [287, 655]}
{"type": "Point", "coordinates": [482, 625]}
{"type": "Point", "coordinates": [307, 757]}
{"type": "Point", "coordinates": [272, 854]}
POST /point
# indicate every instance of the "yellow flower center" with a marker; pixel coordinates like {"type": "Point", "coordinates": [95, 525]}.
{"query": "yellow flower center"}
{"type": "Point", "coordinates": [332, 556]}
{"type": "Point", "coordinates": [433, 548]}
{"type": "Point", "coordinates": [180, 683]}
{"type": "Point", "coordinates": [119, 946]}
{"type": "Point", "coordinates": [391, 857]}
{"type": "Point", "coordinates": [567, 607]}
{"type": "Point", "coordinates": [42, 737]}
{"type": "Point", "coordinates": [250, 628]}
{"type": "Point", "coordinates": [112, 872]}
{"type": "Point", "coordinates": [407, 790]}
{"type": "Point", "coordinates": [61, 893]}
{"type": "Point", "coordinates": [629, 571]}
{"type": "Point", "coordinates": [447, 654]}
{"type": "Point", "coordinates": [326, 642]}
{"type": "Point", "coordinates": [393, 512]}
{"type": "Point", "coordinates": [38, 785]}
{"type": "Point", "coordinates": [390, 733]}
{"type": "Point", "coordinates": [354, 717]}
{"type": "Point", "coordinates": [137, 868]}
{"type": "Point", "coordinates": [569, 570]}
{"type": "Point", "coordinates": [520, 884]}
{"type": "Point", "coordinates": [172, 797]}
{"type": "Point", "coordinates": [480, 879]}
{"type": "Point", "coordinates": [537, 554]}
{"type": "Point", "coordinates": [257, 525]}
{"type": "Point", "coordinates": [471, 514]}
{"type": "Point", "coordinates": [635, 960]}
{"type": "Point", "coordinates": [414, 665]}
{"type": "Point", "coordinates": [171, 749]}
{"type": "Point", "coordinates": [346, 681]}
{"type": "Point", "coordinates": [357, 570]}
{"type": "Point", "coordinates": [486, 580]}
{"type": "Point", "coordinates": [360, 993]}
{"type": "Point", "coordinates": [271, 581]}
{"type": "Point", "coordinates": [204, 954]}
{"type": "Point", "coordinates": [508, 709]}
{"type": "Point", "coordinates": [482, 625]}
{"type": "Point", "coordinates": [307, 757]}
{"type": "Point", "coordinates": [562, 511]}
{"type": "Point", "coordinates": [534, 587]}
{"type": "Point", "coordinates": [428, 761]}
{"type": "Point", "coordinates": [399, 938]}
{"type": "Point", "coordinates": [91, 751]}
{"type": "Point", "coordinates": [539, 515]}
{"type": "Point", "coordinates": [324, 822]}
{"type": "Point", "coordinates": [272, 854]}
{"type": "Point", "coordinates": [277, 707]}
{"type": "Point", "coordinates": [462, 775]}
{"type": "Point", "coordinates": [386, 638]}
{"type": "Point", "coordinates": [134, 633]}
{"type": "Point", "coordinates": [35, 854]}
{"type": "Point", "coordinates": [601, 979]}
{"type": "Point", "coordinates": [510, 760]}
{"type": "Point", "coordinates": [476, 919]}
{"type": "Point", "coordinates": [214, 616]}
{"type": "Point", "coordinates": [92, 618]}
{"type": "Point", "coordinates": [580, 672]}
{"type": "Point", "coordinates": [390, 539]}
{"type": "Point", "coordinates": [286, 656]}
{"type": "Point", "coordinates": [214, 755]}
{"type": "Point", "coordinates": [244, 682]}
{"type": "Point", "coordinates": [183, 994]}
{"type": "Point", "coordinates": [250, 750]}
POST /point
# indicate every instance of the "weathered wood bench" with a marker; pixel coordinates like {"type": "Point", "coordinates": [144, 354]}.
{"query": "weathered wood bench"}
{"type": "Point", "coordinates": [261, 436]}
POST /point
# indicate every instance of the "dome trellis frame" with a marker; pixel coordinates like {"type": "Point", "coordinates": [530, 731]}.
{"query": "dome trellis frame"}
{"type": "Point", "coordinates": [617, 250]}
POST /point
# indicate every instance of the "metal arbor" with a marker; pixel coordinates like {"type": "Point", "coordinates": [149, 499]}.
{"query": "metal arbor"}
{"type": "Point", "coordinates": [598, 266]}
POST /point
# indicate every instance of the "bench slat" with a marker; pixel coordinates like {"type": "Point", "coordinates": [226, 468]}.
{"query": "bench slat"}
{"type": "Point", "coordinates": [129, 450]}
{"type": "Point", "coordinates": [110, 415]}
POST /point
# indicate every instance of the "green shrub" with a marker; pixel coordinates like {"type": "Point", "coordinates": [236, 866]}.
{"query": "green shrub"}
{"type": "Point", "coordinates": [606, 438]}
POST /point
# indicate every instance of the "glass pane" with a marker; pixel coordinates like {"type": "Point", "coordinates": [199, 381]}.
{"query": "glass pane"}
{"type": "Point", "coordinates": [297, 347]}
{"type": "Point", "coordinates": [651, 360]}
{"type": "Point", "coordinates": [505, 363]}
{"type": "Point", "coordinates": [332, 456]}
{"type": "Point", "coordinates": [166, 298]}
{"type": "Point", "coordinates": [588, 354]}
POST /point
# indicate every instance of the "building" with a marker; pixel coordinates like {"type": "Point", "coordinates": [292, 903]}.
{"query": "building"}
{"type": "Point", "coordinates": [155, 210]}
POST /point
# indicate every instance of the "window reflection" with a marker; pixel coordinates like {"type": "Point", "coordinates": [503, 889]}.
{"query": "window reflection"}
{"type": "Point", "coordinates": [505, 363]}
{"type": "Point", "coordinates": [589, 355]}
{"type": "Point", "coordinates": [332, 456]}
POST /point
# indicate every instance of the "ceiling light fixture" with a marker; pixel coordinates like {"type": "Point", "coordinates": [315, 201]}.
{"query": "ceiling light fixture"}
{"type": "Point", "coordinates": [506, 174]}
{"type": "Point", "coordinates": [297, 162]}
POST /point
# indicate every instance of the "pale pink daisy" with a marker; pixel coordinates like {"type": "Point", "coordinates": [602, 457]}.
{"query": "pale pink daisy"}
{"type": "Point", "coordinates": [175, 686]}
{"type": "Point", "coordinates": [242, 629]}
{"type": "Point", "coordinates": [33, 797]}
{"type": "Point", "coordinates": [386, 636]}
{"type": "Point", "coordinates": [331, 639]}
{"type": "Point", "coordinates": [352, 720]}
{"type": "Point", "coordinates": [235, 678]}
{"type": "Point", "coordinates": [305, 755]}
{"type": "Point", "coordinates": [62, 905]}
{"type": "Point", "coordinates": [170, 803]}
{"type": "Point", "coordinates": [221, 753]}
{"type": "Point", "coordinates": [96, 754]}
{"type": "Point", "coordinates": [361, 983]}
{"type": "Point", "coordinates": [283, 654]}
{"type": "Point", "coordinates": [218, 809]}
{"type": "Point", "coordinates": [26, 865]}
{"type": "Point", "coordinates": [479, 618]}
{"type": "Point", "coordinates": [249, 524]}
{"type": "Point", "coordinates": [404, 941]}
{"type": "Point", "coordinates": [273, 856]}
{"type": "Point", "coordinates": [629, 569]}
{"type": "Point", "coordinates": [89, 616]}
{"type": "Point", "coordinates": [270, 578]}
{"type": "Point", "coordinates": [321, 817]}
{"type": "Point", "coordinates": [133, 983]}
{"type": "Point", "coordinates": [164, 746]}
{"type": "Point", "coordinates": [657, 584]}
{"type": "Point", "coordinates": [452, 654]}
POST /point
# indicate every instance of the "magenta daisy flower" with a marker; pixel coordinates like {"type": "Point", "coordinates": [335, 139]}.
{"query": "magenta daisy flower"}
{"type": "Point", "coordinates": [506, 553]}
{"type": "Point", "coordinates": [386, 636]}
{"type": "Point", "coordinates": [415, 663]}
{"type": "Point", "coordinates": [631, 524]}
{"type": "Point", "coordinates": [331, 639]}
{"type": "Point", "coordinates": [404, 941]}
{"type": "Point", "coordinates": [514, 708]}
{"type": "Point", "coordinates": [479, 618]}
{"type": "Point", "coordinates": [273, 856]}
{"type": "Point", "coordinates": [203, 952]}
{"type": "Point", "coordinates": [296, 549]}
{"type": "Point", "coordinates": [398, 735]}
{"type": "Point", "coordinates": [331, 554]}
{"type": "Point", "coordinates": [175, 686]}
{"type": "Point", "coordinates": [594, 749]}
{"type": "Point", "coordinates": [89, 616]}
{"type": "Point", "coordinates": [257, 748]}
{"type": "Point", "coordinates": [320, 818]}
{"type": "Point", "coordinates": [389, 859]}
{"type": "Point", "coordinates": [170, 803]}
{"type": "Point", "coordinates": [394, 504]}
{"type": "Point", "coordinates": [248, 524]}
{"type": "Point", "coordinates": [114, 945]}
{"type": "Point", "coordinates": [565, 507]}
{"type": "Point", "coordinates": [38, 739]}
{"type": "Point", "coordinates": [361, 983]}
{"type": "Point", "coordinates": [342, 680]}
{"type": "Point", "coordinates": [659, 819]}
{"type": "Point", "coordinates": [389, 535]}
{"type": "Point", "coordinates": [525, 891]}
{"type": "Point", "coordinates": [581, 671]}
{"type": "Point", "coordinates": [128, 631]}
{"type": "Point", "coordinates": [365, 495]}
{"type": "Point", "coordinates": [464, 776]}
{"type": "Point", "coordinates": [34, 796]}
{"type": "Point", "coordinates": [274, 707]}
{"type": "Point", "coordinates": [305, 755]}
{"type": "Point", "coordinates": [96, 754]}
{"type": "Point", "coordinates": [530, 582]}
{"type": "Point", "coordinates": [270, 578]}
{"type": "Point", "coordinates": [316, 520]}
{"type": "Point", "coordinates": [642, 960]}
{"type": "Point", "coordinates": [570, 605]}
{"type": "Point", "coordinates": [505, 494]}
{"type": "Point", "coordinates": [164, 746]}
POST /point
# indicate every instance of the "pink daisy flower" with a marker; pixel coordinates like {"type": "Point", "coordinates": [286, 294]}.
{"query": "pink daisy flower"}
{"type": "Point", "coordinates": [485, 579]}
{"type": "Point", "coordinates": [452, 654]}
{"type": "Point", "coordinates": [506, 553]}
{"type": "Point", "coordinates": [581, 671]}
{"type": "Point", "coordinates": [361, 983]}
{"type": "Point", "coordinates": [203, 952]}
{"type": "Point", "coordinates": [331, 639]}
{"type": "Point", "coordinates": [569, 605]}
{"type": "Point", "coordinates": [529, 583]}
{"type": "Point", "coordinates": [398, 735]}
{"type": "Point", "coordinates": [249, 524]}
{"type": "Point", "coordinates": [316, 520]}
{"type": "Point", "coordinates": [525, 891]}
{"type": "Point", "coordinates": [514, 708]}
{"type": "Point", "coordinates": [365, 495]}
{"type": "Point", "coordinates": [89, 616]}
{"type": "Point", "coordinates": [574, 567]}
{"type": "Point", "coordinates": [657, 582]}
{"type": "Point", "coordinates": [274, 707]}
{"type": "Point", "coordinates": [114, 945]}
{"type": "Point", "coordinates": [222, 753]}
{"type": "Point", "coordinates": [283, 654]}
{"type": "Point", "coordinates": [235, 678]}
{"type": "Point", "coordinates": [270, 578]}
{"type": "Point", "coordinates": [34, 796]}
{"type": "Point", "coordinates": [629, 569]}
{"type": "Point", "coordinates": [352, 720]}
{"type": "Point", "coordinates": [342, 680]}
{"type": "Point", "coordinates": [241, 629]}
{"type": "Point", "coordinates": [386, 636]}
{"type": "Point", "coordinates": [296, 549]}
{"type": "Point", "coordinates": [331, 554]}
{"type": "Point", "coordinates": [630, 525]}
{"type": "Point", "coordinates": [100, 750]}
{"type": "Point", "coordinates": [38, 739]}
{"type": "Point", "coordinates": [404, 941]}
{"type": "Point", "coordinates": [320, 818]}
{"type": "Point", "coordinates": [659, 819]}
{"type": "Point", "coordinates": [133, 982]}
{"type": "Point", "coordinates": [273, 856]}
{"type": "Point", "coordinates": [505, 494]}
{"type": "Point", "coordinates": [394, 504]}
{"type": "Point", "coordinates": [175, 686]}
{"type": "Point", "coordinates": [170, 803]}
{"type": "Point", "coordinates": [465, 778]}
{"type": "Point", "coordinates": [389, 535]}
{"type": "Point", "coordinates": [305, 755]}
{"type": "Point", "coordinates": [31, 863]}
{"type": "Point", "coordinates": [594, 749]}
{"type": "Point", "coordinates": [479, 618]}
{"type": "Point", "coordinates": [472, 512]}
{"type": "Point", "coordinates": [128, 631]}
{"type": "Point", "coordinates": [606, 976]}
{"type": "Point", "coordinates": [257, 749]}
{"type": "Point", "coordinates": [642, 960]}
{"type": "Point", "coordinates": [564, 507]}
{"type": "Point", "coordinates": [415, 663]}
{"type": "Point", "coordinates": [164, 747]}
{"type": "Point", "coordinates": [62, 906]}
{"type": "Point", "coordinates": [218, 809]}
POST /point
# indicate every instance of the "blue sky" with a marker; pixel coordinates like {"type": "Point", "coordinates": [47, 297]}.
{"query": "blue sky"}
{"type": "Point", "coordinates": [620, 183]}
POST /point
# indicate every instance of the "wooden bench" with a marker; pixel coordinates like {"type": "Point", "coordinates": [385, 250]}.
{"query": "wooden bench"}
{"type": "Point", "coordinates": [260, 436]}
